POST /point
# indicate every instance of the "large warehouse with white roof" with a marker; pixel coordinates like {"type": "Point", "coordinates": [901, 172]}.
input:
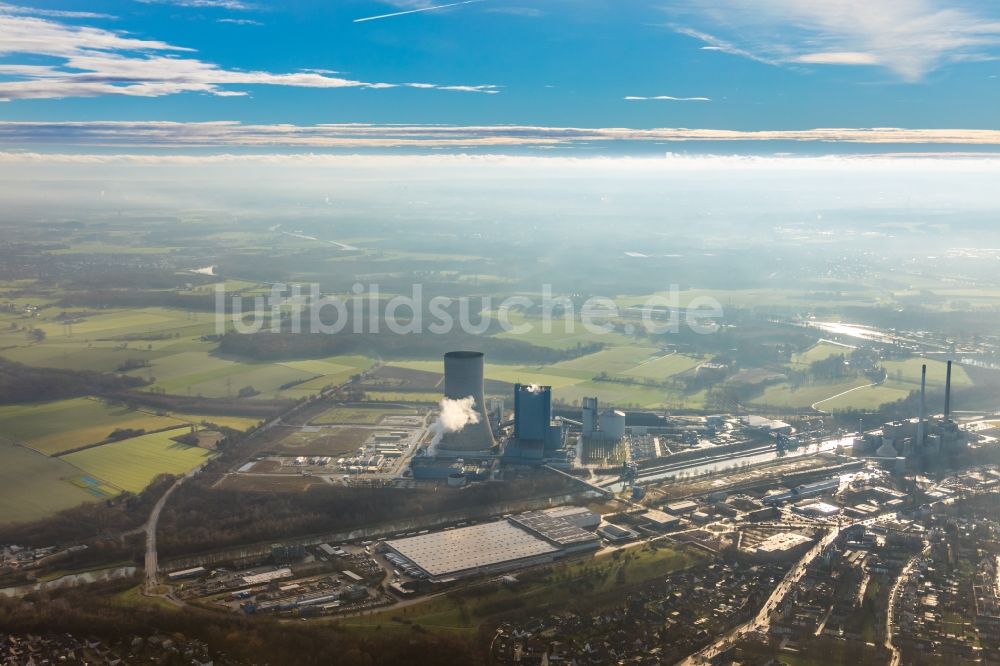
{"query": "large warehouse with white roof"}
{"type": "Point", "coordinates": [520, 541]}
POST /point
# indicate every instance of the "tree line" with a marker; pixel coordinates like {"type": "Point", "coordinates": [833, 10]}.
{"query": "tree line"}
{"type": "Point", "coordinates": [21, 383]}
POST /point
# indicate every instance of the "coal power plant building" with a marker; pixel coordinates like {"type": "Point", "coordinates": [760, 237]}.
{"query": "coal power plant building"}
{"type": "Point", "coordinates": [535, 436]}
{"type": "Point", "coordinates": [463, 378]}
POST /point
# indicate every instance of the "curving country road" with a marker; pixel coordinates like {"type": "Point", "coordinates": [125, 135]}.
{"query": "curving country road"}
{"type": "Point", "coordinates": [152, 563]}
{"type": "Point", "coordinates": [833, 397]}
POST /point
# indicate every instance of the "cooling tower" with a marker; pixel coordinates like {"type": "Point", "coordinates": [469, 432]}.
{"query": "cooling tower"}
{"type": "Point", "coordinates": [463, 377]}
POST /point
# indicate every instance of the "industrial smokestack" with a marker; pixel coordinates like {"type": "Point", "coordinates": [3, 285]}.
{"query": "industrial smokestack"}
{"type": "Point", "coordinates": [463, 378]}
{"type": "Point", "coordinates": [947, 393]}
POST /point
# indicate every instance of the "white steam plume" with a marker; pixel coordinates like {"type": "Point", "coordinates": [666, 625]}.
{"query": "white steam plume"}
{"type": "Point", "coordinates": [454, 416]}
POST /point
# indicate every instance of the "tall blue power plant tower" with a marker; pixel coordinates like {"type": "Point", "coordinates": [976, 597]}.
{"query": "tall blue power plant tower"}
{"type": "Point", "coordinates": [532, 412]}
{"type": "Point", "coordinates": [535, 436]}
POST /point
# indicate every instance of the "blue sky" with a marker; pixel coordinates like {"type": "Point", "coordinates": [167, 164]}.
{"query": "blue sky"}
{"type": "Point", "coordinates": [743, 65]}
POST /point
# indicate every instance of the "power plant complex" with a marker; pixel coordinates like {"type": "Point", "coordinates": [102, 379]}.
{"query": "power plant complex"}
{"type": "Point", "coordinates": [475, 439]}
{"type": "Point", "coordinates": [479, 439]}
{"type": "Point", "coordinates": [919, 439]}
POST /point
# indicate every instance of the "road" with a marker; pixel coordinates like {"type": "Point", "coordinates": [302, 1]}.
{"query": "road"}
{"type": "Point", "coordinates": [152, 563]}
{"type": "Point", "coordinates": [832, 397]}
{"type": "Point", "coordinates": [896, 655]}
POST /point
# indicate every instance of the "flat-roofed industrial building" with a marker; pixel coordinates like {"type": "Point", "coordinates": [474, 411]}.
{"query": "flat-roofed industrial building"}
{"type": "Point", "coordinates": [477, 549]}
{"type": "Point", "coordinates": [523, 540]}
{"type": "Point", "coordinates": [558, 530]}
{"type": "Point", "coordinates": [660, 520]}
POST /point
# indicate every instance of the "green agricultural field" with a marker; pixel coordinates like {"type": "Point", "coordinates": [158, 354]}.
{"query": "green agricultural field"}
{"type": "Point", "coordinates": [663, 367]}
{"type": "Point", "coordinates": [358, 415]}
{"type": "Point", "coordinates": [103, 341]}
{"type": "Point", "coordinates": [267, 378]}
{"type": "Point", "coordinates": [78, 356]}
{"type": "Point", "coordinates": [124, 322]}
{"type": "Point", "coordinates": [613, 361]}
{"type": "Point", "coordinates": [906, 374]}
{"type": "Point", "coordinates": [630, 395]}
{"type": "Point", "coordinates": [202, 373]}
{"type": "Point", "coordinates": [177, 371]}
{"type": "Point", "coordinates": [903, 377]}
{"type": "Point", "coordinates": [563, 334]}
{"type": "Point", "coordinates": [33, 486]}
{"type": "Point", "coordinates": [330, 371]}
{"type": "Point", "coordinates": [210, 375]}
{"type": "Point", "coordinates": [785, 395]}
{"type": "Point", "coordinates": [234, 422]}
{"type": "Point", "coordinates": [54, 427]}
{"type": "Point", "coordinates": [820, 351]}
{"type": "Point", "coordinates": [869, 397]}
{"type": "Point", "coordinates": [319, 367]}
{"type": "Point", "coordinates": [543, 375]}
{"type": "Point", "coordinates": [132, 464]}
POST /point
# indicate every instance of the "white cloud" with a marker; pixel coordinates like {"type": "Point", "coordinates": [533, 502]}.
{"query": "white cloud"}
{"type": "Point", "coordinates": [838, 58]}
{"type": "Point", "coordinates": [226, 134]}
{"type": "Point", "coordinates": [908, 37]}
{"type": "Point", "coordinates": [666, 98]}
{"type": "Point", "coordinates": [527, 12]}
{"type": "Point", "coordinates": [238, 21]}
{"type": "Point", "coordinates": [53, 13]}
{"type": "Point", "coordinates": [485, 89]}
{"type": "Point", "coordinates": [937, 164]}
{"type": "Point", "coordinates": [713, 43]}
{"type": "Point", "coordinates": [202, 4]}
{"type": "Point", "coordinates": [97, 62]}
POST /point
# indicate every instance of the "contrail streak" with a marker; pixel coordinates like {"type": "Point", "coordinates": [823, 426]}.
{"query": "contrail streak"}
{"type": "Point", "coordinates": [415, 11]}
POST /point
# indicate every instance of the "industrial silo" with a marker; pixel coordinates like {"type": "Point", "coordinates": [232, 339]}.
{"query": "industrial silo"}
{"type": "Point", "coordinates": [612, 424]}
{"type": "Point", "coordinates": [463, 378]}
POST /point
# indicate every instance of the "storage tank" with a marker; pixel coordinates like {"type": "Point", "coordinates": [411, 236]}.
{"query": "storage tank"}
{"type": "Point", "coordinates": [463, 378]}
{"type": "Point", "coordinates": [612, 424]}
